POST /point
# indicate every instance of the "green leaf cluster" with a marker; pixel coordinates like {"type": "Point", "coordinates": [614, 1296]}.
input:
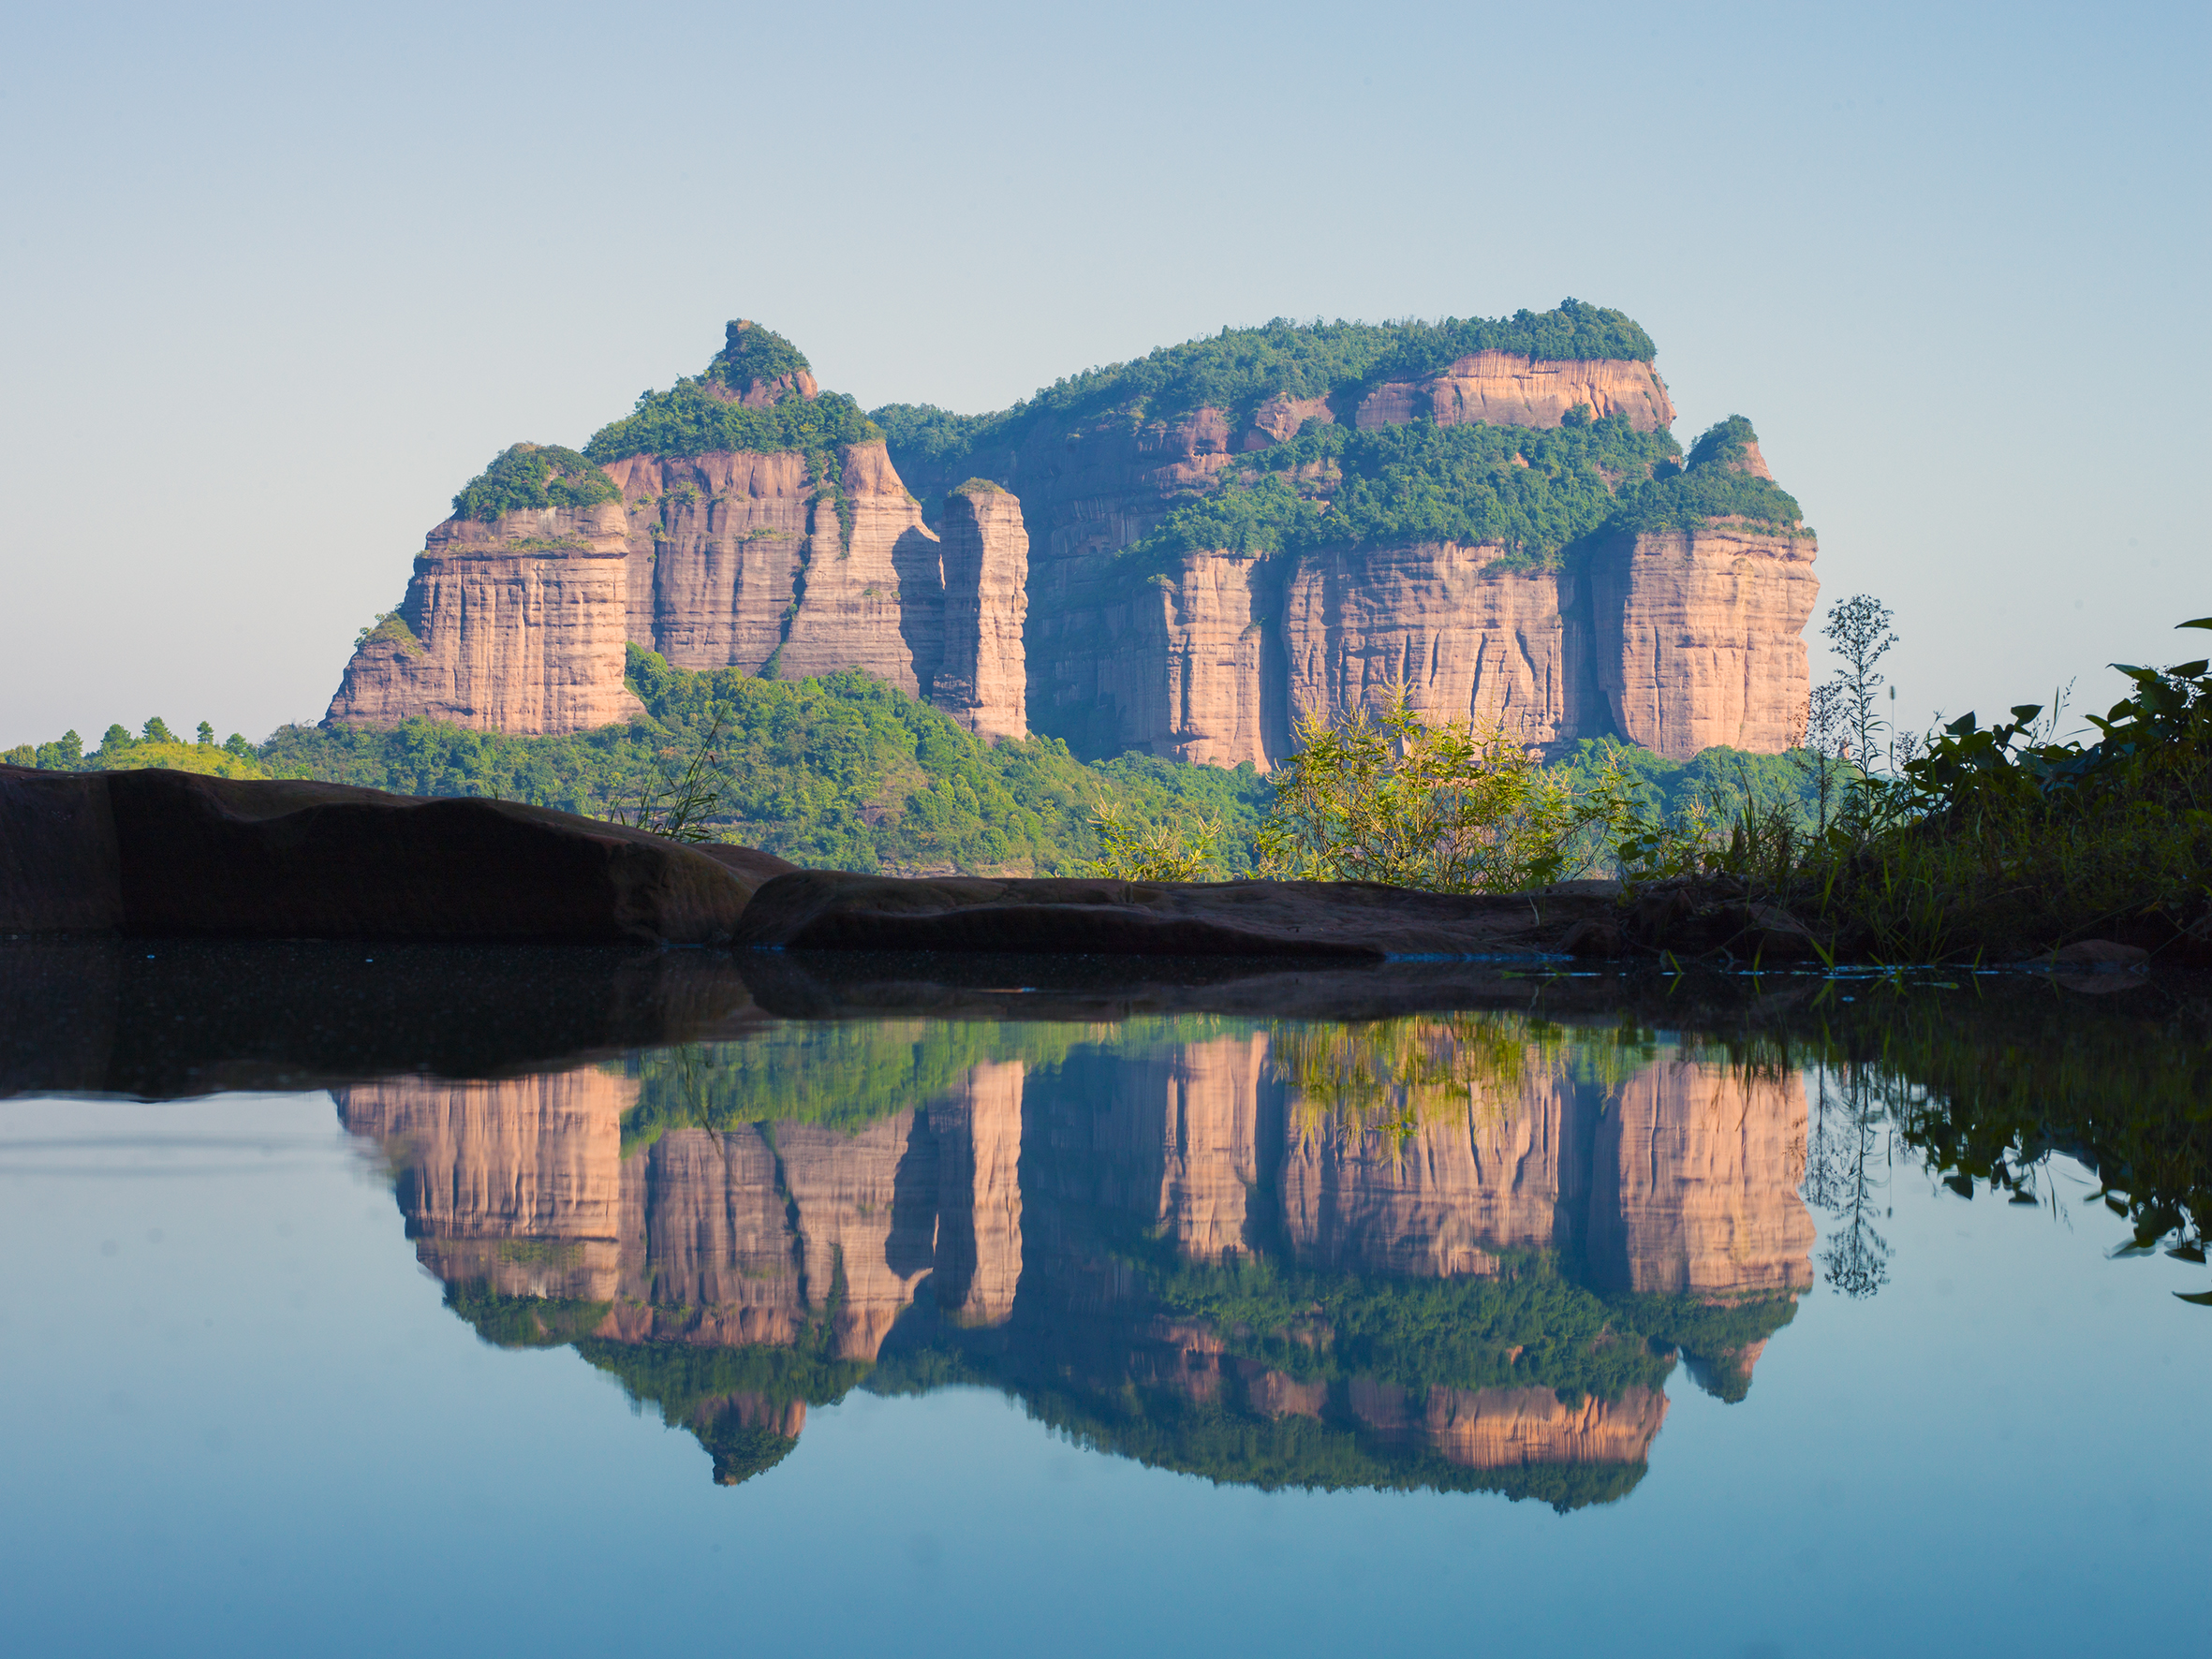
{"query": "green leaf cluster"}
{"type": "Point", "coordinates": [531, 475]}
{"type": "Point", "coordinates": [1707, 491]}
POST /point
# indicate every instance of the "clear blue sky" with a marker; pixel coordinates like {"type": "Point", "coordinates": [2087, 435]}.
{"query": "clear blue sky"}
{"type": "Point", "coordinates": [280, 279]}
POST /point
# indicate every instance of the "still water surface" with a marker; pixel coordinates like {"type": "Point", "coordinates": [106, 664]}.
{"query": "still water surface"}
{"type": "Point", "coordinates": [1096, 1319]}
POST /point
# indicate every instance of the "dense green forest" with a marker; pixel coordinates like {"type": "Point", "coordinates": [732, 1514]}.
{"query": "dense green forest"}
{"type": "Point", "coordinates": [701, 414]}
{"type": "Point", "coordinates": [1239, 369]}
{"type": "Point", "coordinates": [1535, 492]}
{"type": "Point", "coordinates": [843, 772]}
{"type": "Point", "coordinates": [840, 773]}
{"type": "Point", "coordinates": [533, 476]}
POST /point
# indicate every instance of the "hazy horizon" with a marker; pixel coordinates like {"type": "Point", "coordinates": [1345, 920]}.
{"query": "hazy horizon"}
{"type": "Point", "coordinates": [282, 284]}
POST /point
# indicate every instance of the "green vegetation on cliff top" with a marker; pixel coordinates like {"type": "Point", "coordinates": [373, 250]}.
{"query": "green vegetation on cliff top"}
{"type": "Point", "coordinates": [1239, 369]}
{"type": "Point", "coordinates": [1534, 490]}
{"type": "Point", "coordinates": [750, 352]}
{"type": "Point", "coordinates": [695, 418]}
{"type": "Point", "coordinates": [700, 415]}
{"type": "Point", "coordinates": [527, 476]}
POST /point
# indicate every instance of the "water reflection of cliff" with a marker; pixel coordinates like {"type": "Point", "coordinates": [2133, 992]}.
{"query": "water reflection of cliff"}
{"type": "Point", "coordinates": [1452, 1251]}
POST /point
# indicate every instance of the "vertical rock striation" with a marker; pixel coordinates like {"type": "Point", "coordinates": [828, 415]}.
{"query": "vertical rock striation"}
{"type": "Point", "coordinates": [978, 1261]}
{"type": "Point", "coordinates": [515, 626]}
{"type": "Point", "coordinates": [1465, 637]}
{"type": "Point", "coordinates": [1507, 389]}
{"type": "Point", "coordinates": [1026, 610]}
{"type": "Point", "coordinates": [1699, 636]}
{"type": "Point", "coordinates": [983, 682]}
{"type": "Point", "coordinates": [722, 560]}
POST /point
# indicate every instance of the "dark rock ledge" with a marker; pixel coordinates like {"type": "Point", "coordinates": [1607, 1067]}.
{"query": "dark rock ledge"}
{"type": "Point", "coordinates": [166, 854]}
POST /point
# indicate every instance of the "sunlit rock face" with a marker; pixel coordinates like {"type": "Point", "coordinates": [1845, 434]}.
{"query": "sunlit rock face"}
{"type": "Point", "coordinates": [983, 679]}
{"type": "Point", "coordinates": [1507, 1428]}
{"type": "Point", "coordinates": [723, 560]}
{"type": "Point", "coordinates": [1118, 1219]}
{"type": "Point", "coordinates": [1703, 1165]}
{"type": "Point", "coordinates": [719, 1237]}
{"type": "Point", "coordinates": [516, 1184]}
{"type": "Point", "coordinates": [735, 1238]}
{"type": "Point", "coordinates": [516, 625]}
{"type": "Point", "coordinates": [1444, 1200]}
{"type": "Point", "coordinates": [1020, 613]}
{"type": "Point", "coordinates": [977, 1255]}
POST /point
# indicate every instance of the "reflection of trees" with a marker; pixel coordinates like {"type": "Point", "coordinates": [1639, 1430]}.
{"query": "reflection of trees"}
{"type": "Point", "coordinates": [1850, 1147]}
{"type": "Point", "coordinates": [1393, 1075]}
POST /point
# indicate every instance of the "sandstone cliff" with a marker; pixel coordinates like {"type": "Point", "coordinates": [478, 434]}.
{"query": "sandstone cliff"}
{"type": "Point", "coordinates": [513, 625]}
{"type": "Point", "coordinates": [1022, 611]}
{"type": "Point", "coordinates": [1512, 1427]}
{"type": "Point", "coordinates": [1031, 1201]}
{"type": "Point", "coordinates": [1699, 636]}
{"type": "Point", "coordinates": [983, 682]}
{"type": "Point", "coordinates": [1509, 390]}
{"type": "Point", "coordinates": [1214, 658]}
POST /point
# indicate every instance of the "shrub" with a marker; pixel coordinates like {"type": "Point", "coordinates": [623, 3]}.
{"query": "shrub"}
{"type": "Point", "coordinates": [527, 476]}
{"type": "Point", "coordinates": [1449, 808]}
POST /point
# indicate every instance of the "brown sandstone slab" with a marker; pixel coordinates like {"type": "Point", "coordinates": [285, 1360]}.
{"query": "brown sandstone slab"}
{"type": "Point", "coordinates": [58, 872]}
{"type": "Point", "coordinates": [826, 909]}
{"type": "Point", "coordinates": [174, 854]}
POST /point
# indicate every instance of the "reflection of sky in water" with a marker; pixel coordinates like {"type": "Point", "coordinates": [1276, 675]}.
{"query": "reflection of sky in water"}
{"type": "Point", "coordinates": [242, 1420]}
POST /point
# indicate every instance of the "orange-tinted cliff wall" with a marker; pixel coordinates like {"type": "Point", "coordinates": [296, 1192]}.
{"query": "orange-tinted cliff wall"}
{"type": "Point", "coordinates": [1019, 618]}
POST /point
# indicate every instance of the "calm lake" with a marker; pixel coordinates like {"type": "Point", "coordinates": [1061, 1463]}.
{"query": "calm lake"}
{"type": "Point", "coordinates": [428, 1301]}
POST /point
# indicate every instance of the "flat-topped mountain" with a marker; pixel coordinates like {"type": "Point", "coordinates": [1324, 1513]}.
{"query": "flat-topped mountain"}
{"type": "Point", "coordinates": [1178, 554]}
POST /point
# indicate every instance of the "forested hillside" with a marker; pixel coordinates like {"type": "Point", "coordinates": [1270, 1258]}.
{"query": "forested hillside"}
{"type": "Point", "coordinates": [840, 773]}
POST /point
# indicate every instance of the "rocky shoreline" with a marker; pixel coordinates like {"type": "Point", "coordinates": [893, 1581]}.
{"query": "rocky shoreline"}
{"type": "Point", "coordinates": [157, 854]}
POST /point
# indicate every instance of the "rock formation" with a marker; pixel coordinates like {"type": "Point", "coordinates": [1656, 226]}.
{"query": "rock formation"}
{"type": "Point", "coordinates": [1018, 613]}
{"type": "Point", "coordinates": [1699, 635]}
{"type": "Point", "coordinates": [984, 681]}
{"type": "Point", "coordinates": [1509, 390]}
{"type": "Point", "coordinates": [1031, 1198]}
{"type": "Point", "coordinates": [513, 625]}
{"type": "Point", "coordinates": [1514, 1427]}
{"type": "Point", "coordinates": [172, 854]}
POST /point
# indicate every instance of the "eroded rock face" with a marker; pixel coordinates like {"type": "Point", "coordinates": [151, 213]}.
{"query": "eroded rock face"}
{"type": "Point", "coordinates": [1058, 1214]}
{"type": "Point", "coordinates": [1176, 666]}
{"type": "Point", "coordinates": [714, 546]}
{"type": "Point", "coordinates": [1215, 658]}
{"type": "Point", "coordinates": [1468, 637]}
{"type": "Point", "coordinates": [1514, 1428]}
{"type": "Point", "coordinates": [707, 1237]}
{"type": "Point", "coordinates": [1502, 1176]}
{"type": "Point", "coordinates": [984, 681]}
{"type": "Point", "coordinates": [514, 1183]}
{"type": "Point", "coordinates": [715, 560]}
{"type": "Point", "coordinates": [1020, 618]}
{"type": "Point", "coordinates": [1704, 1166]}
{"type": "Point", "coordinates": [516, 625]}
{"type": "Point", "coordinates": [979, 1241]}
{"type": "Point", "coordinates": [1700, 637]}
{"type": "Point", "coordinates": [1508, 389]}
